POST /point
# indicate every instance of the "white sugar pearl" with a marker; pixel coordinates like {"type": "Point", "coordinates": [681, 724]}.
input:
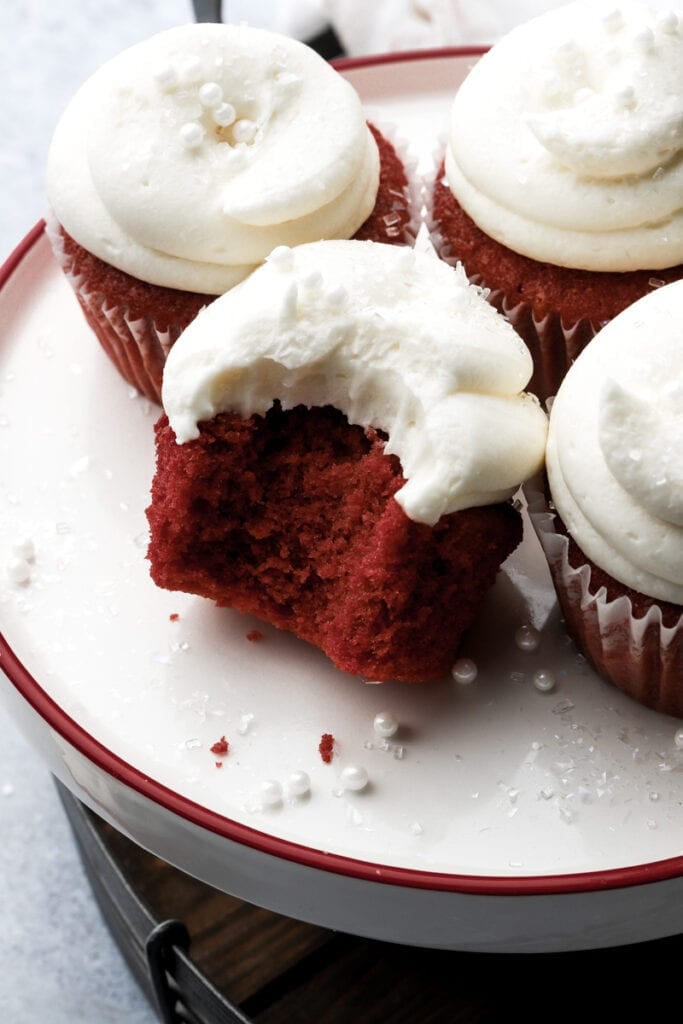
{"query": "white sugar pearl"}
{"type": "Point", "coordinates": [678, 738]}
{"type": "Point", "coordinates": [24, 548]}
{"type": "Point", "coordinates": [224, 114]}
{"type": "Point", "coordinates": [544, 680]}
{"type": "Point", "coordinates": [354, 777]}
{"type": "Point", "coordinates": [271, 792]}
{"type": "Point", "coordinates": [527, 638]}
{"type": "Point", "coordinates": [626, 96]}
{"type": "Point", "coordinates": [613, 20]}
{"type": "Point", "coordinates": [313, 280]}
{"type": "Point", "coordinates": [244, 130]}
{"type": "Point", "coordinates": [385, 724]}
{"type": "Point", "coordinates": [667, 21]}
{"type": "Point", "coordinates": [210, 95]}
{"type": "Point", "coordinates": [338, 296]}
{"type": "Point", "coordinates": [464, 671]}
{"type": "Point", "coordinates": [191, 135]}
{"type": "Point", "coordinates": [166, 76]}
{"type": "Point", "coordinates": [18, 570]}
{"type": "Point", "coordinates": [191, 70]}
{"type": "Point", "coordinates": [281, 257]}
{"type": "Point", "coordinates": [644, 40]}
{"type": "Point", "coordinates": [298, 784]}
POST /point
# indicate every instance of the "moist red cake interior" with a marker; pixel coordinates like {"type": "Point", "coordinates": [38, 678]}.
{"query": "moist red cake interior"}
{"type": "Point", "coordinates": [291, 517]}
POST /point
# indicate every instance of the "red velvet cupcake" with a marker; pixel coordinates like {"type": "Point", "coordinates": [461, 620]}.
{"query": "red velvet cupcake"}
{"type": "Point", "coordinates": [560, 190]}
{"type": "Point", "coordinates": [344, 431]}
{"type": "Point", "coordinates": [184, 161]}
{"type": "Point", "coordinates": [613, 533]}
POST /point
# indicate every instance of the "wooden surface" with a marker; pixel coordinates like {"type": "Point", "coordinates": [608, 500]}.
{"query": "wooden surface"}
{"type": "Point", "coordinates": [278, 970]}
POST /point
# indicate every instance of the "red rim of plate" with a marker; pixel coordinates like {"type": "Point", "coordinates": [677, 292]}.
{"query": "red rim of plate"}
{"type": "Point", "coordinates": [112, 764]}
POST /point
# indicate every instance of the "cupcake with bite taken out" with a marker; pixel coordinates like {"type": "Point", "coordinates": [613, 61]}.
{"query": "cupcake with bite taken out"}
{"type": "Point", "coordinates": [343, 432]}
{"type": "Point", "coordinates": [181, 163]}
{"type": "Point", "coordinates": [561, 187]}
{"type": "Point", "coordinates": [614, 533]}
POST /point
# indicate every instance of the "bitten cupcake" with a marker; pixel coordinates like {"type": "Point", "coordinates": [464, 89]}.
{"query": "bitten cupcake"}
{"type": "Point", "coordinates": [615, 470]}
{"type": "Point", "coordinates": [562, 185]}
{"type": "Point", "coordinates": [181, 163]}
{"type": "Point", "coordinates": [343, 432]}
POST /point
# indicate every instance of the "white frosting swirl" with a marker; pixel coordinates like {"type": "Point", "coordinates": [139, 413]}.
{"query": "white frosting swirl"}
{"type": "Point", "coordinates": [566, 139]}
{"type": "Point", "coordinates": [186, 159]}
{"type": "Point", "coordinates": [395, 339]}
{"type": "Point", "coordinates": [615, 447]}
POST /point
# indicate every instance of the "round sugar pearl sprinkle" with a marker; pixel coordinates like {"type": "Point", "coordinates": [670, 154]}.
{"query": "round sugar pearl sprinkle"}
{"type": "Point", "coordinates": [18, 570]}
{"type": "Point", "coordinates": [667, 21]}
{"type": "Point", "coordinates": [244, 130]}
{"type": "Point", "coordinates": [527, 638]}
{"type": "Point", "coordinates": [191, 135]}
{"type": "Point", "coordinates": [625, 97]}
{"type": "Point", "coordinates": [210, 95]}
{"type": "Point", "coordinates": [644, 40]}
{"type": "Point", "coordinates": [678, 739]}
{"type": "Point", "coordinates": [224, 114]}
{"type": "Point", "coordinates": [354, 777]}
{"type": "Point", "coordinates": [24, 548]}
{"type": "Point", "coordinates": [191, 70]}
{"type": "Point", "coordinates": [166, 76]}
{"type": "Point", "coordinates": [464, 671]}
{"type": "Point", "coordinates": [544, 680]}
{"type": "Point", "coordinates": [613, 20]}
{"type": "Point", "coordinates": [385, 725]}
{"type": "Point", "coordinates": [298, 784]}
{"type": "Point", "coordinates": [271, 793]}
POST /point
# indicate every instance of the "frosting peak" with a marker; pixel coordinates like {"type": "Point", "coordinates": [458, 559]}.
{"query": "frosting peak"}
{"type": "Point", "coordinates": [186, 159]}
{"type": "Point", "coordinates": [395, 339]}
{"type": "Point", "coordinates": [584, 108]}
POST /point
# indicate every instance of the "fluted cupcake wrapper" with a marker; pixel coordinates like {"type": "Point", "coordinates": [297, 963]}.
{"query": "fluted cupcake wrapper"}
{"type": "Point", "coordinates": [136, 346]}
{"type": "Point", "coordinates": [553, 344]}
{"type": "Point", "coordinates": [641, 656]}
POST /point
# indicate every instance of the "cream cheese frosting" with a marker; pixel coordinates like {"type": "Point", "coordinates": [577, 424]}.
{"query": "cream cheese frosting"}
{"type": "Point", "coordinates": [566, 139]}
{"type": "Point", "coordinates": [392, 337]}
{"type": "Point", "coordinates": [187, 158]}
{"type": "Point", "coordinates": [615, 447]}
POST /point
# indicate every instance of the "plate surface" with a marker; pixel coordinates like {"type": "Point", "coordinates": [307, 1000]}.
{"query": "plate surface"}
{"type": "Point", "coordinates": [489, 788]}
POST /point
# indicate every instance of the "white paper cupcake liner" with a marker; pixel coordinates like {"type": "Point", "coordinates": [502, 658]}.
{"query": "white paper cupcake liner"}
{"type": "Point", "coordinates": [640, 655]}
{"type": "Point", "coordinates": [136, 345]}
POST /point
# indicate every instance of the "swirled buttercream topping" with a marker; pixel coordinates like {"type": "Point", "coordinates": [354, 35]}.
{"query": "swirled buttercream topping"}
{"type": "Point", "coordinates": [566, 139]}
{"type": "Point", "coordinates": [186, 159]}
{"type": "Point", "coordinates": [615, 447]}
{"type": "Point", "coordinates": [392, 337]}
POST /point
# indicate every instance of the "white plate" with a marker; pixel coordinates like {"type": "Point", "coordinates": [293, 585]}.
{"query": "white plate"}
{"type": "Point", "coordinates": [568, 800]}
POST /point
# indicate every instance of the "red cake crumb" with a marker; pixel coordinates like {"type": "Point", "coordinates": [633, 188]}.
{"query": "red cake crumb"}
{"type": "Point", "coordinates": [291, 517]}
{"type": "Point", "coordinates": [174, 617]}
{"type": "Point", "coordinates": [254, 635]}
{"type": "Point", "coordinates": [326, 747]}
{"type": "Point", "coordinates": [220, 747]}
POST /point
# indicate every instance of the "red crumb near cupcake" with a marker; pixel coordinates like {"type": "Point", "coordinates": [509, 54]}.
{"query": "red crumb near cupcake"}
{"type": "Point", "coordinates": [221, 747]}
{"type": "Point", "coordinates": [548, 296]}
{"type": "Point", "coordinates": [291, 517]}
{"type": "Point", "coordinates": [326, 747]}
{"type": "Point", "coordinates": [254, 635]}
{"type": "Point", "coordinates": [173, 617]}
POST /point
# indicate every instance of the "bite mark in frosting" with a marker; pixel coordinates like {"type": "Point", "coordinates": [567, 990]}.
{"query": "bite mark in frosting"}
{"type": "Point", "coordinates": [392, 337]}
{"type": "Point", "coordinates": [566, 139]}
{"type": "Point", "coordinates": [186, 159]}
